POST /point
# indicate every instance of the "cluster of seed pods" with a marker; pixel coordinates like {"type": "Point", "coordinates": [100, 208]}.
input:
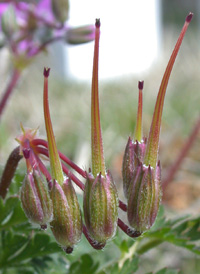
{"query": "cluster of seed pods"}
{"type": "Point", "coordinates": [50, 197]}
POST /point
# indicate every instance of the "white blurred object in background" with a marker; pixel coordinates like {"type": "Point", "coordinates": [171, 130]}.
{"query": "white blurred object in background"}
{"type": "Point", "coordinates": [129, 41]}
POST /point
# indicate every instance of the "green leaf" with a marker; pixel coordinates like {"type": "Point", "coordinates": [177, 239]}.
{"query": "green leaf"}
{"type": "Point", "coordinates": [84, 265]}
{"type": "Point", "coordinates": [38, 245]}
{"type": "Point", "coordinates": [167, 271]}
{"type": "Point", "coordinates": [182, 231]}
{"type": "Point", "coordinates": [114, 269]}
{"type": "Point", "coordinates": [17, 182]}
{"type": "Point", "coordinates": [129, 266]}
{"type": "Point", "coordinates": [10, 244]}
{"type": "Point", "coordinates": [124, 246]}
{"type": "Point", "coordinates": [11, 213]}
{"type": "Point", "coordinates": [17, 248]}
{"type": "Point", "coordinates": [40, 264]}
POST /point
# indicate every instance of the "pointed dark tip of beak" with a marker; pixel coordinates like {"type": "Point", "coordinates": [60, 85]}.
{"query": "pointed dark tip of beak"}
{"type": "Point", "coordinates": [141, 84]}
{"type": "Point", "coordinates": [46, 72]}
{"type": "Point", "coordinates": [189, 17]}
{"type": "Point", "coordinates": [97, 23]}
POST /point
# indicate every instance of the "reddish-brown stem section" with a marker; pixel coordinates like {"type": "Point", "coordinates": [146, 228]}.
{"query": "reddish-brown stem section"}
{"type": "Point", "coordinates": [131, 233]}
{"type": "Point", "coordinates": [93, 243]}
{"type": "Point", "coordinates": [13, 82]}
{"type": "Point", "coordinates": [65, 169]}
{"type": "Point", "coordinates": [9, 171]}
{"type": "Point", "coordinates": [188, 144]}
{"type": "Point", "coordinates": [45, 171]}
{"type": "Point", "coordinates": [37, 142]}
{"type": "Point", "coordinates": [122, 205]}
{"type": "Point", "coordinates": [44, 143]}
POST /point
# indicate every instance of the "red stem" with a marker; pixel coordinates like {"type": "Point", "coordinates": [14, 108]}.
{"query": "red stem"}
{"type": "Point", "coordinates": [38, 142]}
{"type": "Point", "coordinates": [188, 144]}
{"type": "Point", "coordinates": [65, 169]}
{"type": "Point", "coordinates": [122, 205]}
{"type": "Point", "coordinates": [93, 243]}
{"type": "Point", "coordinates": [44, 170]}
{"type": "Point", "coordinates": [131, 233]}
{"type": "Point", "coordinates": [13, 82]}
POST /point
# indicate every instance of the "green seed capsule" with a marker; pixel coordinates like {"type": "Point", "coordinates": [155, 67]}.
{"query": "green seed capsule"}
{"type": "Point", "coordinates": [67, 223]}
{"type": "Point", "coordinates": [36, 200]}
{"type": "Point", "coordinates": [60, 9]}
{"type": "Point", "coordinates": [144, 198]}
{"type": "Point", "coordinates": [133, 156]}
{"type": "Point", "coordinates": [101, 207]}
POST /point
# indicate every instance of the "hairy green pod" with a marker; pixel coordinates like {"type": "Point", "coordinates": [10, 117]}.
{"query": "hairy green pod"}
{"type": "Point", "coordinates": [67, 223]}
{"type": "Point", "coordinates": [35, 199]}
{"type": "Point", "coordinates": [101, 207]}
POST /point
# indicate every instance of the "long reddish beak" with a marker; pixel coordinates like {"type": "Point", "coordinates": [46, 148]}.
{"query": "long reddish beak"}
{"type": "Point", "coordinates": [151, 154]}
{"type": "Point", "coordinates": [98, 162]}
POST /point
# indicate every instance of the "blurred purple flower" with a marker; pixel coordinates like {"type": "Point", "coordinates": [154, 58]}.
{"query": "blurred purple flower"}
{"type": "Point", "coordinates": [25, 26]}
{"type": "Point", "coordinates": [29, 27]}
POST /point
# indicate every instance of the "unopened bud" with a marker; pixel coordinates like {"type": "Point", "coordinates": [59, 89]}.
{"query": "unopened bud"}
{"type": "Point", "coordinates": [60, 9]}
{"type": "Point", "coordinates": [67, 223]}
{"type": "Point", "coordinates": [8, 21]}
{"type": "Point", "coordinates": [80, 35]}
{"type": "Point", "coordinates": [144, 197]}
{"type": "Point", "coordinates": [133, 156]}
{"type": "Point", "coordinates": [36, 200]}
{"type": "Point", "coordinates": [101, 207]}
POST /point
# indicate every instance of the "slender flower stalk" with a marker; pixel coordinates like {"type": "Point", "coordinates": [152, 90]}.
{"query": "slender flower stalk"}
{"type": "Point", "coordinates": [184, 151]}
{"type": "Point", "coordinates": [45, 152]}
{"type": "Point", "coordinates": [151, 154]}
{"type": "Point", "coordinates": [10, 88]}
{"type": "Point", "coordinates": [98, 162]}
{"type": "Point", "coordinates": [40, 142]}
{"type": "Point", "coordinates": [126, 229]}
